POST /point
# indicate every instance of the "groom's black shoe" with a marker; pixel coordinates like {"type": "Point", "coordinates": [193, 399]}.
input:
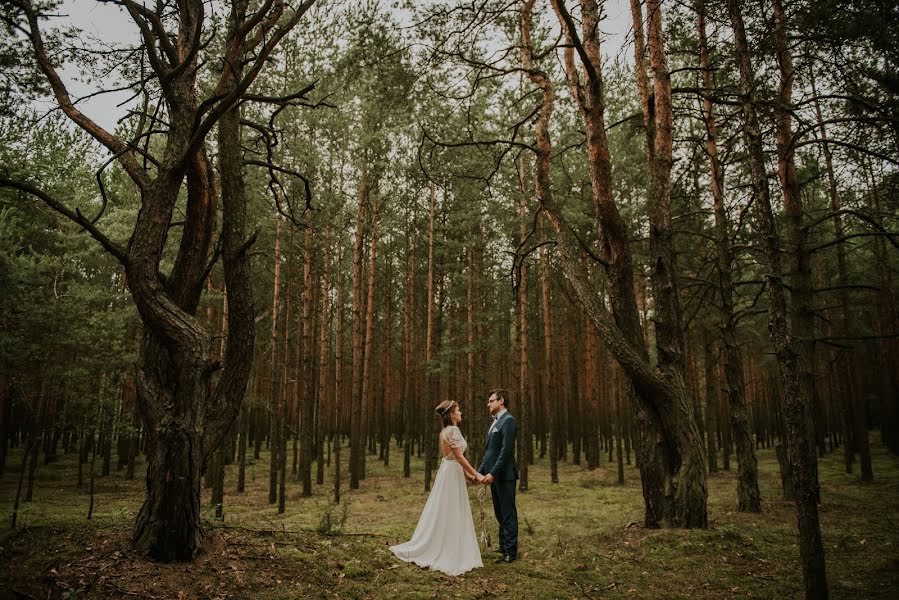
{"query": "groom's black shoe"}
{"type": "Point", "coordinates": [505, 558]}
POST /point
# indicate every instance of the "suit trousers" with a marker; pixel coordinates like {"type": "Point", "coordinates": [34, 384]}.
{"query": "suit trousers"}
{"type": "Point", "coordinates": [503, 493]}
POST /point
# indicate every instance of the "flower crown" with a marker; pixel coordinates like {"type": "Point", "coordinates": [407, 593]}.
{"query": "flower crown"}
{"type": "Point", "coordinates": [449, 407]}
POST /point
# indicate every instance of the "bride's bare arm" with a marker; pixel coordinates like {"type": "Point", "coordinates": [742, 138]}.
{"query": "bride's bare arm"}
{"type": "Point", "coordinates": [466, 466]}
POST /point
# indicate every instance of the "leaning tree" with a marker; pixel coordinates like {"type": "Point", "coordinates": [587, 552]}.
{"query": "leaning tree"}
{"type": "Point", "coordinates": [187, 397]}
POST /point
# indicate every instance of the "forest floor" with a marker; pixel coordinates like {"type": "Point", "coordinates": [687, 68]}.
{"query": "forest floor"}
{"type": "Point", "coordinates": [580, 538]}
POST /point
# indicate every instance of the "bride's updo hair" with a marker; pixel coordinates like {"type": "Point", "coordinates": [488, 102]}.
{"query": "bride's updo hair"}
{"type": "Point", "coordinates": [444, 410]}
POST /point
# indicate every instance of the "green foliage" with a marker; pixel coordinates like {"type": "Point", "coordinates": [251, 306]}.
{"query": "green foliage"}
{"type": "Point", "coordinates": [65, 310]}
{"type": "Point", "coordinates": [332, 517]}
{"type": "Point", "coordinates": [20, 79]}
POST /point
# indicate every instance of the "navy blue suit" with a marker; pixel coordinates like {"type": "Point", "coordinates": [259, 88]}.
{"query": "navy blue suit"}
{"type": "Point", "coordinates": [499, 461]}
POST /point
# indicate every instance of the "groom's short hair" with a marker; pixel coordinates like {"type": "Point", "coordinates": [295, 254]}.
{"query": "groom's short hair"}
{"type": "Point", "coordinates": [500, 393]}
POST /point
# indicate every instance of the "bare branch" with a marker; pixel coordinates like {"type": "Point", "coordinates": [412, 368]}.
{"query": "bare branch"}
{"type": "Point", "coordinates": [113, 143]}
{"type": "Point", "coordinates": [891, 237]}
{"type": "Point", "coordinates": [118, 252]}
{"type": "Point", "coordinates": [227, 91]}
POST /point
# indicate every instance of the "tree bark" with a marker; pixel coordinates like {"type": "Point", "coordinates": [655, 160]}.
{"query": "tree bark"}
{"type": "Point", "coordinates": [796, 405]}
{"type": "Point", "coordinates": [5, 409]}
{"type": "Point", "coordinates": [429, 337]}
{"type": "Point", "coordinates": [274, 420]}
{"type": "Point", "coordinates": [672, 462]}
{"type": "Point", "coordinates": [852, 401]}
{"type": "Point", "coordinates": [800, 259]}
{"type": "Point", "coordinates": [525, 450]}
{"type": "Point", "coordinates": [887, 328]}
{"type": "Point", "coordinates": [307, 370]}
{"type": "Point", "coordinates": [408, 352]}
{"type": "Point", "coordinates": [338, 359]}
{"type": "Point", "coordinates": [550, 394]}
{"type": "Point", "coordinates": [711, 402]}
{"type": "Point", "coordinates": [357, 441]}
{"type": "Point", "coordinates": [368, 401]}
{"type": "Point", "coordinates": [748, 495]}
{"type": "Point", "coordinates": [323, 362]}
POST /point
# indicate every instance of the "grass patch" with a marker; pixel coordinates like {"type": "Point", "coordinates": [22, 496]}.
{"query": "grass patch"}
{"type": "Point", "coordinates": [580, 538]}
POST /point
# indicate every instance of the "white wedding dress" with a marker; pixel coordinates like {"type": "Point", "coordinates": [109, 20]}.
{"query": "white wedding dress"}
{"type": "Point", "coordinates": [445, 539]}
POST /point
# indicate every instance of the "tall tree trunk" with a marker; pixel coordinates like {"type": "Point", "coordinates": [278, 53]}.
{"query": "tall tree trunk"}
{"type": "Point", "coordinates": [550, 394]}
{"type": "Point", "coordinates": [185, 416]}
{"type": "Point", "coordinates": [525, 435]}
{"type": "Point", "coordinates": [614, 244]}
{"type": "Point", "coordinates": [217, 473]}
{"type": "Point", "coordinates": [368, 402]}
{"type": "Point", "coordinates": [748, 495]}
{"type": "Point", "coordinates": [852, 400]}
{"type": "Point", "coordinates": [429, 336]}
{"type": "Point", "coordinates": [484, 349]}
{"type": "Point", "coordinates": [221, 455]}
{"type": "Point", "coordinates": [243, 432]}
{"type": "Point", "coordinates": [619, 434]}
{"type": "Point", "coordinates": [26, 454]}
{"type": "Point", "coordinates": [408, 352]}
{"type": "Point", "coordinates": [668, 319]}
{"type": "Point", "coordinates": [129, 398]}
{"type": "Point", "coordinates": [4, 398]}
{"type": "Point", "coordinates": [307, 406]}
{"type": "Point", "coordinates": [323, 362]}
{"type": "Point", "coordinates": [711, 401]}
{"type": "Point", "coordinates": [591, 392]}
{"type": "Point", "coordinates": [796, 405]}
{"type": "Point", "coordinates": [34, 436]}
{"type": "Point", "coordinates": [101, 418]}
{"type": "Point", "coordinates": [470, 341]}
{"type": "Point", "coordinates": [800, 259]}
{"type": "Point", "coordinates": [385, 419]}
{"type": "Point", "coordinates": [671, 462]}
{"type": "Point", "coordinates": [357, 441]}
{"type": "Point", "coordinates": [338, 358]}
{"type": "Point", "coordinates": [274, 420]}
{"type": "Point", "coordinates": [887, 328]}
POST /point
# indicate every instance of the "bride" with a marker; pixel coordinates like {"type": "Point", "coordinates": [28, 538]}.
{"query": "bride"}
{"type": "Point", "coordinates": [445, 539]}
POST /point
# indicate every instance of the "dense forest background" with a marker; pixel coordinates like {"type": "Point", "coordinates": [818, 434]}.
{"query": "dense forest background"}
{"type": "Point", "coordinates": [316, 221]}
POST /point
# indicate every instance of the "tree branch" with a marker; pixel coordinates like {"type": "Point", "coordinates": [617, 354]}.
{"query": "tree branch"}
{"type": "Point", "coordinates": [117, 251]}
{"type": "Point", "coordinates": [113, 143]}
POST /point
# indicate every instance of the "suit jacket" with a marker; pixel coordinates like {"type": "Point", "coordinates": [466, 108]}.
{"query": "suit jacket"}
{"type": "Point", "coordinates": [499, 454]}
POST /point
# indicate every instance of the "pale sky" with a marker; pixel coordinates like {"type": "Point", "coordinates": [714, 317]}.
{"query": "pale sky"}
{"type": "Point", "coordinates": [113, 25]}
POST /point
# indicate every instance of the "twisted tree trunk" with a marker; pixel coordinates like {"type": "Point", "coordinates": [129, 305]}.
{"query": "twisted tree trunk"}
{"type": "Point", "coordinates": [671, 457]}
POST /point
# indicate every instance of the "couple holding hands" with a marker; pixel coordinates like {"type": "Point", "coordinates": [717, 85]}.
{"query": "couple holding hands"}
{"type": "Point", "coordinates": [445, 539]}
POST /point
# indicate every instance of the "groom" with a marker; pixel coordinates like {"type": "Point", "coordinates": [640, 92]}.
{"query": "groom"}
{"type": "Point", "coordinates": [500, 472]}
